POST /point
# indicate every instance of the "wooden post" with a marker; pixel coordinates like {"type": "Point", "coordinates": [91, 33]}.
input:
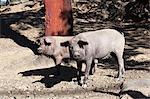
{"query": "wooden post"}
{"type": "Point", "coordinates": [58, 17]}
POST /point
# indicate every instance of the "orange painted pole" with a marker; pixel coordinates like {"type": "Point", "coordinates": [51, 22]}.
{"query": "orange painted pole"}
{"type": "Point", "coordinates": [58, 17]}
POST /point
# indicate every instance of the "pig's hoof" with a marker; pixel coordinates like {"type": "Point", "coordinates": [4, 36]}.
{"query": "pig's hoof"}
{"type": "Point", "coordinates": [74, 79]}
{"type": "Point", "coordinates": [84, 86]}
{"type": "Point", "coordinates": [119, 79]}
{"type": "Point", "coordinates": [79, 83]}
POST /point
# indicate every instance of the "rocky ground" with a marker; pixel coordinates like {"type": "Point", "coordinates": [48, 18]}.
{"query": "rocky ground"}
{"type": "Point", "coordinates": [26, 75]}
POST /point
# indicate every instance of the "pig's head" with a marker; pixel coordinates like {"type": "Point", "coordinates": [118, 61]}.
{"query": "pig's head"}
{"type": "Point", "coordinates": [77, 48]}
{"type": "Point", "coordinates": [47, 45]}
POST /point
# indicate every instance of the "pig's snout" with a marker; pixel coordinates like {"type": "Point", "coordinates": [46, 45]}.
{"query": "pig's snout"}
{"type": "Point", "coordinates": [77, 55]}
{"type": "Point", "coordinates": [39, 50]}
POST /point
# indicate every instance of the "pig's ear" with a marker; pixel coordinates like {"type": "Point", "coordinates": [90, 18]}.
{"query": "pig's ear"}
{"type": "Point", "coordinates": [65, 44]}
{"type": "Point", "coordinates": [47, 43]}
{"type": "Point", "coordinates": [82, 43]}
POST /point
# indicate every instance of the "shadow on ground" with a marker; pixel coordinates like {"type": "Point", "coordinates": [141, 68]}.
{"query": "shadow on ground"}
{"type": "Point", "coordinates": [26, 17]}
{"type": "Point", "coordinates": [135, 94]}
{"type": "Point", "coordinates": [131, 93]}
{"type": "Point", "coordinates": [50, 77]}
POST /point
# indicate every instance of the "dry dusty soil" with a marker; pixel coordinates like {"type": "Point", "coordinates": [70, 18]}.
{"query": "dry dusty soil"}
{"type": "Point", "coordinates": [26, 75]}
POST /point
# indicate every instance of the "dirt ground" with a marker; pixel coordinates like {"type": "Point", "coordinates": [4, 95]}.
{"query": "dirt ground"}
{"type": "Point", "coordinates": [26, 75]}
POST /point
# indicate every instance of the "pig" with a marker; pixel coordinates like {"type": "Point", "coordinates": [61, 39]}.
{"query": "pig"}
{"type": "Point", "coordinates": [97, 44]}
{"type": "Point", "coordinates": [50, 46]}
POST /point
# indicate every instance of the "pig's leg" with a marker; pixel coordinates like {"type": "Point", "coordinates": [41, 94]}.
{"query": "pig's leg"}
{"type": "Point", "coordinates": [93, 66]}
{"type": "Point", "coordinates": [87, 69]}
{"type": "Point", "coordinates": [92, 70]}
{"type": "Point", "coordinates": [121, 65]}
{"type": "Point", "coordinates": [79, 72]}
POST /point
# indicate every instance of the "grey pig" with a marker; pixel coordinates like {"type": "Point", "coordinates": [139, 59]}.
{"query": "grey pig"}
{"type": "Point", "coordinates": [50, 45]}
{"type": "Point", "coordinates": [97, 44]}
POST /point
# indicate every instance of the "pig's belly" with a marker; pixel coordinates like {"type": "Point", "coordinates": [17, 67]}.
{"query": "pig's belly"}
{"type": "Point", "coordinates": [102, 54]}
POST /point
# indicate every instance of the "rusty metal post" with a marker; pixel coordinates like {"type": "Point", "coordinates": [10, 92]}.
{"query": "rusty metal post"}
{"type": "Point", "coordinates": [58, 17]}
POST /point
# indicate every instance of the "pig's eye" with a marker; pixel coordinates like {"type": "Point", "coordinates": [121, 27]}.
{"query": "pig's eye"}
{"type": "Point", "coordinates": [71, 47]}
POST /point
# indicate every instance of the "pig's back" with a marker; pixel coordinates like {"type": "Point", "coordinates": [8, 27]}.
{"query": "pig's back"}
{"type": "Point", "coordinates": [62, 38]}
{"type": "Point", "coordinates": [104, 33]}
{"type": "Point", "coordinates": [101, 42]}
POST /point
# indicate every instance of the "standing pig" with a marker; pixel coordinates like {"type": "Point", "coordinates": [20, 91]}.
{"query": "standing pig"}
{"type": "Point", "coordinates": [50, 45]}
{"type": "Point", "coordinates": [97, 44]}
